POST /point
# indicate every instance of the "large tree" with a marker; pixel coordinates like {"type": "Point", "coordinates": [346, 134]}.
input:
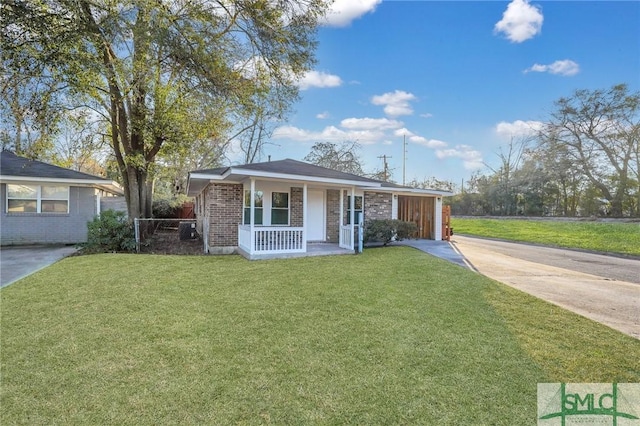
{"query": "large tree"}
{"type": "Point", "coordinates": [341, 157]}
{"type": "Point", "coordinates": [163, 73]}
{"type": "Point", "coordinates": [599, 131]}
{"type": "Point", "coordinates": [30, 110]}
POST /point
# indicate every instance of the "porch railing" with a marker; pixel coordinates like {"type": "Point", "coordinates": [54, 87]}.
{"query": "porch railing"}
{"type": "Point", "coordinates": [271, 239]}
{"type": "Point", "coordinates": [244, 237]}
{"type": "Point", "coordinates": [346, 237]}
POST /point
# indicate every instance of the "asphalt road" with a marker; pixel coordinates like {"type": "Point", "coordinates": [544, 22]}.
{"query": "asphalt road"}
{"type": "Point", "coordinates": [603, 288]}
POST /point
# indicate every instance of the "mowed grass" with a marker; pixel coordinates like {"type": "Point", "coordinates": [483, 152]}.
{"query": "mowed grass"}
{"type": "Point", "coordinates": [392, 336]}
{"type": "Point", "coordinates": [622, 238]}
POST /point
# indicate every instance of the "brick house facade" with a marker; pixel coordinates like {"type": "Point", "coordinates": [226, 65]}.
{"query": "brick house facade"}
{"type": "Point", "coordinates": [294, 204]}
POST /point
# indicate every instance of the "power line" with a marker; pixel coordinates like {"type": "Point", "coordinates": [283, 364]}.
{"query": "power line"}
{"type": "Point", "coordinates": [386, 166]}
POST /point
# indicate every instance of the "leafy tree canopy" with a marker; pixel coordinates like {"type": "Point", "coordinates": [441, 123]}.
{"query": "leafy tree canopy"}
{"type": "Point", "coordinates": [162, 74]}
{"type": "Point", "coordinates": [343, 157]}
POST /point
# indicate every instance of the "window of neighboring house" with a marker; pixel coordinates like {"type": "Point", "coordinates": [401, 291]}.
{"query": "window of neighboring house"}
{"type": "Point", "coordinates": [258, 198]}
{"type": "Point", "coordinates": [37, 199]}
{"type": "Point", "coordinates": [279, 208]}
{"type": "Point", "coordinates": [357, 210]}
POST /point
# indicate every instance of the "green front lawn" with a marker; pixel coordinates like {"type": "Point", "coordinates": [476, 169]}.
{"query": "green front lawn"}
{"type": "Point", "coordinates": [390, 336]}
{"type": "Point", "coordinates": [623, 238]}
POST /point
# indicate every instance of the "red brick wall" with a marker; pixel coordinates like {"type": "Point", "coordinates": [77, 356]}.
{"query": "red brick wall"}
{"type": "Point", "coordinates": [377, 205]}
{"type": "Point", "coordinates": [224, 204]}
{"type": "Point", "coordinates": [296, 207]}
{"type": "Point", "coordinates": [333, 215]}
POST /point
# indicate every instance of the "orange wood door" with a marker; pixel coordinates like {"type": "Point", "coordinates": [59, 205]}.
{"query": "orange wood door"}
{"type": "Point", "coordinates": [446, 223]}
{"type": "Point", "coordinates": [419, 210]}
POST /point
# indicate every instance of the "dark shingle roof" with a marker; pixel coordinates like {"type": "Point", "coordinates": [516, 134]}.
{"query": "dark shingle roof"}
{"type": "Point", "coordinates": [13, 165]}
{"type": "Point", "coordinates": [292, 167]}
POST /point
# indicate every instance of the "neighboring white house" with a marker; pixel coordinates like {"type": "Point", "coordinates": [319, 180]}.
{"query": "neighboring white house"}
{"type": "Point", "coordinates": [46, 204]}
{"type": "Point", "coordinates": [280, 207]}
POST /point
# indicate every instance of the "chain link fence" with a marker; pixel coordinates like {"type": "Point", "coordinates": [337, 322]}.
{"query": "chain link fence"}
{"type": "Point", "coordinates": [168, 236]}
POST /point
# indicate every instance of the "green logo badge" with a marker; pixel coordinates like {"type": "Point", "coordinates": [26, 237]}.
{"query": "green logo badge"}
{"type": "Point", "coordinates": [614, 404]}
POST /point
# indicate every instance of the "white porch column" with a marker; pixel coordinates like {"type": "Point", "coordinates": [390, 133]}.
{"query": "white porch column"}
{"type": "Point", "coordinates": [304, 217]}
{"type": "Point", "coordinates": [252, 215]}
{"type": "Point", "coordinates": [352, 206]}
{"type": "Point", "coordinates": [438, 219]}
{"type": "Point", "coordinates": [340, 222]}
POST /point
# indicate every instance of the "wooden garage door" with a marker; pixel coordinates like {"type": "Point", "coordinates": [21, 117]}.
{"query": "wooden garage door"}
{"type": "Point", "coordinates": [418, 210]}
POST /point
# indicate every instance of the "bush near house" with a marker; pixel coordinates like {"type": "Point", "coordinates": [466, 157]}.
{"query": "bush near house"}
{"type": "Point", "coordinates": [111, 231]}
{"type": "Point", "coordinates": [387, 230]}
{"type": "Point", "coordinates": [169, 207]}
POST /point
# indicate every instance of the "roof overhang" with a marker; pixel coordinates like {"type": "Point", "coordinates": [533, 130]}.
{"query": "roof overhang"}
{"type": "Point", "coordinates": [419, 192]}
{"type": "Point", "coordinates": [106, 185]}
{"type": "Point", "coordinates": [198, 181]}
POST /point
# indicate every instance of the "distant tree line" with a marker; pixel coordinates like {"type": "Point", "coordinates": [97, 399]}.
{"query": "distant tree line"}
{"type": "Point", "coordinates": [584, 161]}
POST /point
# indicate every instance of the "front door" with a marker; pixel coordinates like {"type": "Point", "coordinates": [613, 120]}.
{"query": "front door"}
{"type": "Point", "coordinates": [316, 212]}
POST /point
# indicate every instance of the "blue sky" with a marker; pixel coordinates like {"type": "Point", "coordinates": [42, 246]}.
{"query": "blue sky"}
{"type": "Point", "coordinates": [457, 79]}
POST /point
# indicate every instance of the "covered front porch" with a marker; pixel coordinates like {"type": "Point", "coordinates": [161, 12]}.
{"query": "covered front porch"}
{"type": "Point", "coordinates": [297, 219]}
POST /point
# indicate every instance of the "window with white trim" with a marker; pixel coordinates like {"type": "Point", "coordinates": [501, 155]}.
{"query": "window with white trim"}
{"type": "Point", "coordinates": [357, 209]}
{"type": "Point", "coordinates": [258, 204]}
{"type": "Point", "coordinates": [279, 208]}
{"type": "Point", "coordinates": [37, 199]}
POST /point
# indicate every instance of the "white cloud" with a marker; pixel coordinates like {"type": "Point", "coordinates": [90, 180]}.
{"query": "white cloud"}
{"type": "Point", "coordinates": [323, 115]}
{"type": "Point", "coordinates": [521, 21]}
{"type": "Point", "coordinates": [370, 123]}
{"type": "Point", "coordinates": [426, 115]}
{"type": "Point", "coordinates": [429, 143]}
{"type": "Point", "coordinates": [368, 131]}
{"type": "Point", "coordinates": [565, 67]}
{"type": "Point", "coordinates": [420, 140]}
{"type": "Point", "coordinates": [517, 129]}
{"type": "Point", "coordinates": [403, 132]}
{"type": "Point", "coordinates": [319, 79]}
{"type": "Point", "coordinates": [343, 12]}
{"type": "Point", "coordinates": [395, 103]}
{"type": "Point", "coordinates": [328, 134]}
{"type": "Point", "coordinates": [471, 159]}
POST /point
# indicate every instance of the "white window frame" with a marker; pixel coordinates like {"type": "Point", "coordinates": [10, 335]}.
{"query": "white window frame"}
{"type": "Point", "coordinates": [255, 208]}
{"type": "Point", "coordinates": [360, 210]}
{"type": "Point", "coordinates": [288, 208]}
{"type": "Point", "coordinates": [38, 199]}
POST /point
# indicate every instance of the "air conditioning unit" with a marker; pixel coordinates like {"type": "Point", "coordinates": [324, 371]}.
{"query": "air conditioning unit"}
{"type": "Point", "coordinates": [187, 231]}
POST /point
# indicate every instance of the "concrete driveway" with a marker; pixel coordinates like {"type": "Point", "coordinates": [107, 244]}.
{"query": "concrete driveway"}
{"type": "Point", "coordinates": [603, 288]}
{"type": "Point", "coordinates": [19, 261]}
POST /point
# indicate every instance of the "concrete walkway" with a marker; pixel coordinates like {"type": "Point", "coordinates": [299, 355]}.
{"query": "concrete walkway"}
{"type": "Point", "coordinates": [20, 261]}
{"type": "Point", "coordinates": [441, 249]}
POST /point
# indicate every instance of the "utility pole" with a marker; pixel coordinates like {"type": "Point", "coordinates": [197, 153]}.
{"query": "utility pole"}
{"type": "Point", "coordinates": [386, 166]}
{"type": "Point", "coordinates": [404, 159]}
